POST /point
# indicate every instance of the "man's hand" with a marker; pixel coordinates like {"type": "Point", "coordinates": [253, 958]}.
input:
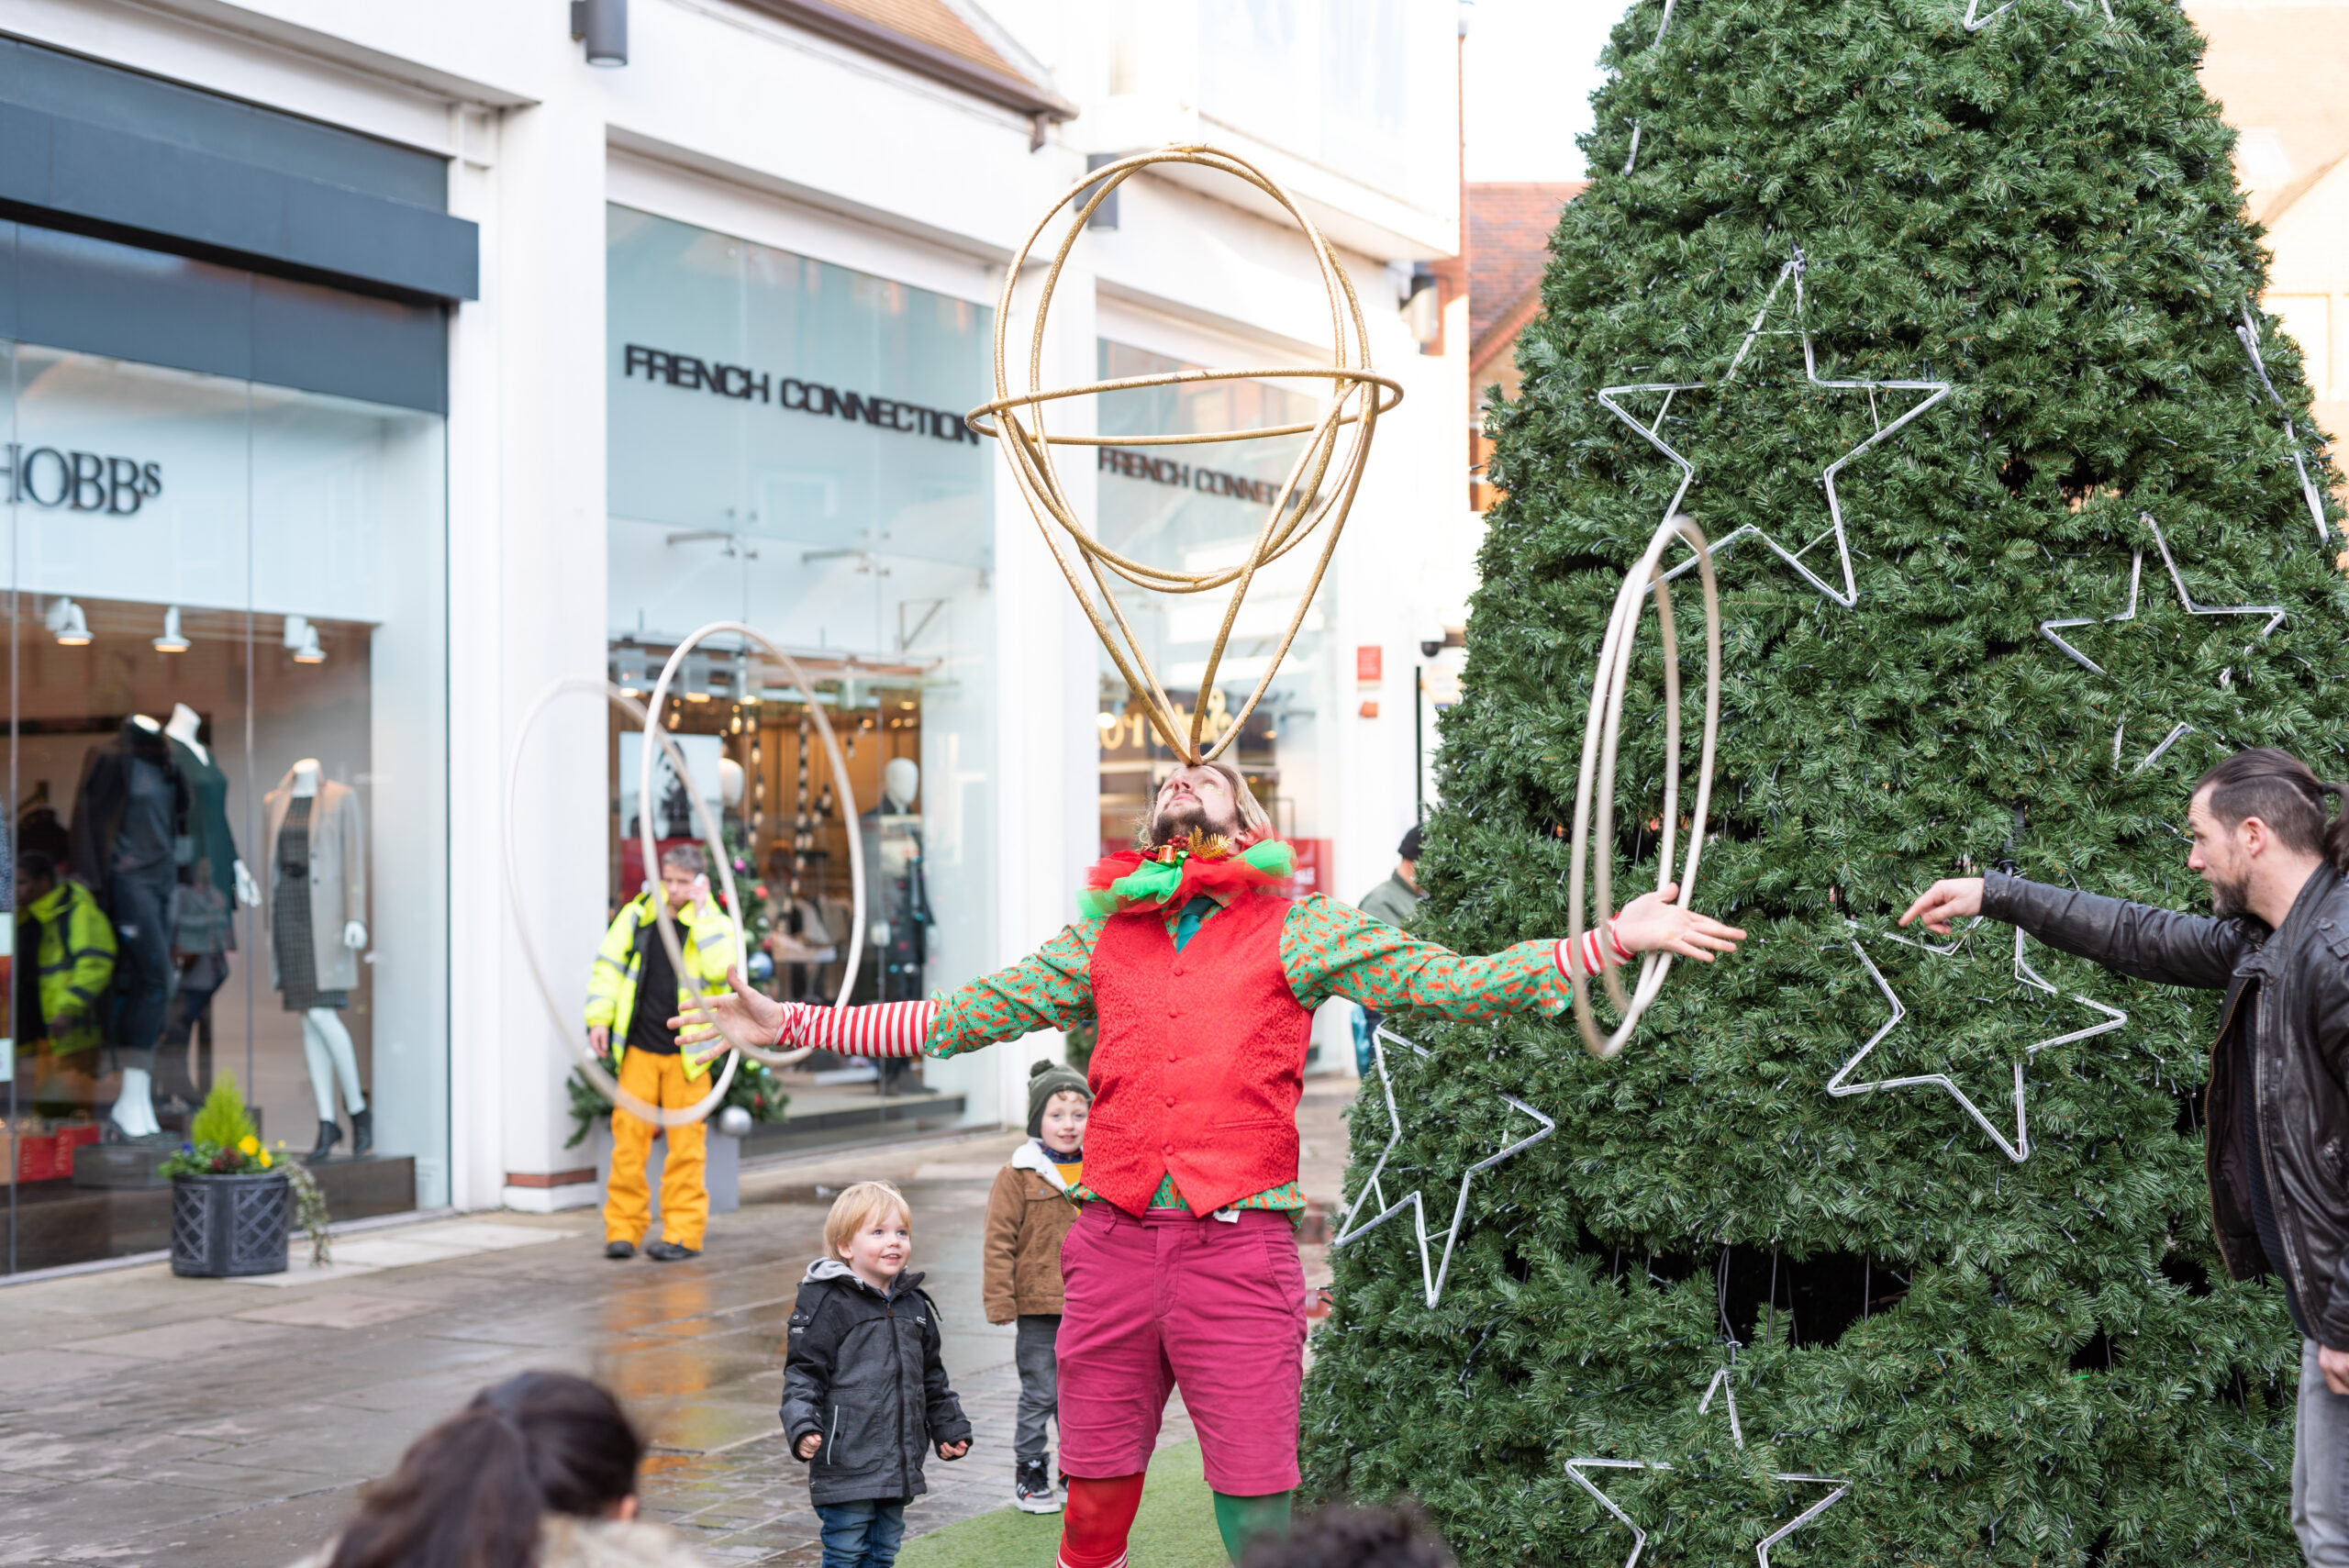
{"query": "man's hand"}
{"type": "Point", "coordinates": [742, 1019]}
{"type": "Point", "coordinates": [809, 1444]}
{"type": "Point", "coordinates": [1952, 899]}
{"type": "Point", "coordinates": [2335, 1367]}
{"type": "Point", "coordinates": [957, 1451]}
{"type": "Point", "coordinates": [1653, 923]}
{"type": "Point", "coordinates": [600, 1036]}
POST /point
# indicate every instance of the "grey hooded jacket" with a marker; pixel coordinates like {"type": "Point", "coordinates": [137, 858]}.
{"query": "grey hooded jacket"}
{"type": "Point", "coordinates": [863, 1372]}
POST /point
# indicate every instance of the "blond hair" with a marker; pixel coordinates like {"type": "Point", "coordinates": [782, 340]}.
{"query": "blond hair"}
{"type": "Point", "coordinates": [857, 1203]}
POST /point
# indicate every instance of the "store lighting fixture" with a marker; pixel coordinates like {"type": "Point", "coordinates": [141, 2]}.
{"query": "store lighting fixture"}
{"type": "Point", "coordinates": [73, 630]}
{"type": "Point", "coordinates": [602, 25]}
{"type": "Point", "coordinates": [303, 639]}
{"type": "Point", "coordinates": [172, 640]}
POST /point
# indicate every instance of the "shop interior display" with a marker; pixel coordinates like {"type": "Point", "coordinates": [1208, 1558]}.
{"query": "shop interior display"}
{"type": "Point", "coordinates": [1984, 1344]}
{"type": "Point", "coordinates": [317, 930]}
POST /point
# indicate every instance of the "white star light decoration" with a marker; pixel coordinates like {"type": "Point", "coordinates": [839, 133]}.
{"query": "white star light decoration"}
{"type": "Point", "coordinates": [1660, 27]}
{"type": "Point", "coordinates": [1937, 390]}
{"type": "Point", "coordinates": [2020, 1150]}
{"type": "Point", "coordinates": [2048, 628]}
{"type": "Point", "coordinates": [1974, 24]}
{"type": "Point", "coordinates": [1431, 1275]}
{"type": "Point", "coordinates": [2248, 335]}
{"type": "Point", "coordinates": [1576, 1468]}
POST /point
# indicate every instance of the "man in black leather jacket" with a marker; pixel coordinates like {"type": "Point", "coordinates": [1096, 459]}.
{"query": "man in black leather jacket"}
{"type": "Point", "coordinates": [2277, 1152]}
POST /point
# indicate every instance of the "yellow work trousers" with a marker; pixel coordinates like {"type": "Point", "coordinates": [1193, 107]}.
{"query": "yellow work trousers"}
{"type": "Point", "coordinates": [685, 1200]}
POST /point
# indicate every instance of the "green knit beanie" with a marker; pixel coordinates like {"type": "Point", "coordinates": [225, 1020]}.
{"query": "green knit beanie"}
{"type": "Point", "coordinates": [1044, 1080]}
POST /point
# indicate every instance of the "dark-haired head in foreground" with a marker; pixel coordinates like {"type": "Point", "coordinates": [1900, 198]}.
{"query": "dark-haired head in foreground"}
{"type": "Point", "coordinates": [472, 1492]}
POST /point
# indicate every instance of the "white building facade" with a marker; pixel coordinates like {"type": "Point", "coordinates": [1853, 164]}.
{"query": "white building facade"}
{"type": "Point", "coordinates": [591, 355]}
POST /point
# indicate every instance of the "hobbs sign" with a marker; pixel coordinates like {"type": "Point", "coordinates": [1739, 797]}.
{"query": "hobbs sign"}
{"type": "Point", "coordinates": [86, 481]}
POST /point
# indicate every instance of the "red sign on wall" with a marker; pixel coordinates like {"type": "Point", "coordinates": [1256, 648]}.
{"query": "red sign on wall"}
{"type": "Point", "coordinates": [1370, 665]}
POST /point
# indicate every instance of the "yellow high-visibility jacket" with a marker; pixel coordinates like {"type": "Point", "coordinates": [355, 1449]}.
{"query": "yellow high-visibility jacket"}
{"type": "Point", "coordinates": [73, 958]}
{"type": "Point", "coordinates": [708, 939]}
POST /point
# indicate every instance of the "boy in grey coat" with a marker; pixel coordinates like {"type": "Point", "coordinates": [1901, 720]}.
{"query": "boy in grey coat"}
{"type": "Point", "coordinates": [864, 1393]}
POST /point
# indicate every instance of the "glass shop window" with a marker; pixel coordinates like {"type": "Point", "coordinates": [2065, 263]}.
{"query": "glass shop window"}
{"type": "Point", "coordinates": [227, 754]}
{"type": "Point", "coordinates": [787, 449]}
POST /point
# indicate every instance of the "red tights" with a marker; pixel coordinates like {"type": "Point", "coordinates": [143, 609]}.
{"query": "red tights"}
{"type": "Point", "coordinates": [1100, 1514]}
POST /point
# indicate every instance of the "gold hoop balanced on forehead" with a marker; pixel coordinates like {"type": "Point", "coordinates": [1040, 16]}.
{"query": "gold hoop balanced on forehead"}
{"type": "Point", "coordinates": [1320, 487]}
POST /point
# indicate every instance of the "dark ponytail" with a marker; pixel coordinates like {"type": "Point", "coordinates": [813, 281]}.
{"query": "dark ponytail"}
{"type": "Point", "coordinates": [2336, 832]}
{"type": "Point", "coordinates": [471, 1492]}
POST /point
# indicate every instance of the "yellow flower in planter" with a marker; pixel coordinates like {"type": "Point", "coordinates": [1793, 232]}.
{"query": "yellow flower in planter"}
{"type": "Point", "coordinates": [265, 1162]}
{"type": "Point", "coordinates": [249, 1144]}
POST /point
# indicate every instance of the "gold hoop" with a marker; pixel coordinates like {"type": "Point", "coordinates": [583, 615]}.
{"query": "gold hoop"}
{"type": "Point", "coordinates": [1320, 484]}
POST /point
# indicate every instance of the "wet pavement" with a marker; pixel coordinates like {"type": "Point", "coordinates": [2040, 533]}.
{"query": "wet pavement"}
{"type": "Point", "coordinates": [147, 1420]}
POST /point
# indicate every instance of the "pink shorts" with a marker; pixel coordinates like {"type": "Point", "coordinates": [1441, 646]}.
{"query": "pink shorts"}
{"type": "Point", "coordinates": [1211, 1307]}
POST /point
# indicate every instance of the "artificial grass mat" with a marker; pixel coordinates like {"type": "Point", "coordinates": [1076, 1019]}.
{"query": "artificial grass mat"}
{"type": "Point", "coordinates": [1175, 1528]}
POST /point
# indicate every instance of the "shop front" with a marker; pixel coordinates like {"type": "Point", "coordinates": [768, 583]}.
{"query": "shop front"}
{"type": "Point", "coordinates": [786, 449]}
{"type": "Point", "coordinates": [223, 504]}
{"type": "Point", "coordinates": [225, 738]}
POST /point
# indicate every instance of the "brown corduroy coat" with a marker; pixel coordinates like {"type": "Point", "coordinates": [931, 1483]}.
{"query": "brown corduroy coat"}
{"type": "Point", "coordinates": [1029, 1212]}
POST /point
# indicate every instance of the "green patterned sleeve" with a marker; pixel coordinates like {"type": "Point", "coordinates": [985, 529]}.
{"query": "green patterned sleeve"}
{"type": "Point", "coordinates": [1050, 989]}
{"type": "Point", "coordinates": [1329, 948]}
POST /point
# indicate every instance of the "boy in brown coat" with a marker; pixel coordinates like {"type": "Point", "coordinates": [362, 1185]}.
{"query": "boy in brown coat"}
{"type": "Point", "coordinates": [1028, 1214]}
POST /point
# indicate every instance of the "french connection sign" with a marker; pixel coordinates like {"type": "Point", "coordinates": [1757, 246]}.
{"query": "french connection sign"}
{"type": "Point", "coordinates": [756, 394]}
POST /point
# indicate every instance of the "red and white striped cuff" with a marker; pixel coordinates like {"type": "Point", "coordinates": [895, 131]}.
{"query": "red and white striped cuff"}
{"type": "Point", "coordinates": [882, 1028]}
{"type": "Point", "coordinates": [1590, 955]}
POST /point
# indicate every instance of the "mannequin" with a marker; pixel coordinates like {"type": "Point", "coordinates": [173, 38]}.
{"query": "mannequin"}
{"type": "Point", "coordinates": [213, 880]}
{"type": "Point", "coordinates": [899, 911]}
{"type": "Point", "coordinates": [129, 839]}
{"type": "Point", "coordinates": [319, 881]}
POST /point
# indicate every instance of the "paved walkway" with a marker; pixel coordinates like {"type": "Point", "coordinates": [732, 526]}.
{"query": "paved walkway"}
{"type": "Point", "coordinates": [216, 1424]}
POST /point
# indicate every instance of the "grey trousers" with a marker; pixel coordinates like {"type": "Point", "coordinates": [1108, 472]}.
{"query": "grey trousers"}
{"type": "Point", "coordinates": [1040, 1384]}
{"type": "Point", "coordinates": [2319, 1468]}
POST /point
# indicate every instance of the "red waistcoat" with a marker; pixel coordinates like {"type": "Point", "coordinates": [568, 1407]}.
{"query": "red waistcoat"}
{"type": "Point", "coordinates": [1198, 1061]}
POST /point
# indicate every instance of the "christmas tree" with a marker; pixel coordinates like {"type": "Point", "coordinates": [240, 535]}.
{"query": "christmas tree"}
{"type": "Point", "coordinates": [1979, 1302]}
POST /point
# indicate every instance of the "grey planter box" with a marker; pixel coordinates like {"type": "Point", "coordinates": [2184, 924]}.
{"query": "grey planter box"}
{"type": "Point", "coordinates": [223, 1225]}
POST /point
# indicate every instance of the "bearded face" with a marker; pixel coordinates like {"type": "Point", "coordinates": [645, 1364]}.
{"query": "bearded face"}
{"type": "Point", "coordinates": [1194, 801]}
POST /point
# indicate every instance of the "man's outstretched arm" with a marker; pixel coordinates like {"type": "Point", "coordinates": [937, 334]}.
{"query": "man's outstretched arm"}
{"type": "Point", "coordinates": [1048, 989]}
{"type": "Point", "coordinates": [1330, 950]}
{"type": "Point", "coordinates": [2137, 939]}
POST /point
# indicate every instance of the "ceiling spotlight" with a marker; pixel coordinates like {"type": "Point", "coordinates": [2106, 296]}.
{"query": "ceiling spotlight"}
{"type": "Point", "coordinates": [172, 640]}
{"type": "Point", "coordinates": [303, 639]}
{"type": "Point", "coordinates": [66, 618]}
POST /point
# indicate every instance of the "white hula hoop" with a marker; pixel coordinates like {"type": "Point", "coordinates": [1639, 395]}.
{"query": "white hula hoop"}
{"type": "Point", "coordinates": [711, 833]}
{"type": "Point", "coordinates": [1598, 749]}
{"type": "Point", "coordinates": [589, 1062]}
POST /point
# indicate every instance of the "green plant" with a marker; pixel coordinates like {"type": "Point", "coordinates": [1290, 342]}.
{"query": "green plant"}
{"type": "Point", "coordinates": [2035, 1361]}
{"type": "Point", "coordinates": [222, 1120]}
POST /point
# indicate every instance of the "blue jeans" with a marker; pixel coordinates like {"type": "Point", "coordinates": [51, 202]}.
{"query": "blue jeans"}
{"type": "Point", "coordinates": [863, 1534]}
{"type": "Point", "coordinates": [2320, 1468]}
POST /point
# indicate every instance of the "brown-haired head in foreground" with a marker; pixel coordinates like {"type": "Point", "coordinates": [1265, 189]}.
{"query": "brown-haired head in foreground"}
{"type": "Point", "coordinates": [1340, 1536]}
{"type": "Point", "coordinates": [471, 1492]}
{"type": "Point", "coordinates": [2285, 793]}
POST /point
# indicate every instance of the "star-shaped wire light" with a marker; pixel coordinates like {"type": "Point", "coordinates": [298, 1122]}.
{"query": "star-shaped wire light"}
{"type": "Point", "coordinates": [2020, 1150]}
{"type": "Point", "coordinates": [1722, 1382]}
{"type": "Point", "coordinates": [1431, 1276]}
{"type": "Point", "coordinates": [2048, 628]}
{"type": "Point", "coordinates": [1975, 25]}
{"type": "Point", "coordinates": [1634, 158]}
{"type": "Point", "coordinates": [1649, 433]}
{"type": "Point", "coordinates": [2248, 335]}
